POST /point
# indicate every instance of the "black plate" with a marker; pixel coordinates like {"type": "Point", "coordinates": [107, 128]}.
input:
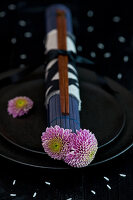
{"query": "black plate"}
{"type": "Point", "coordinates": [101, 113]}
{"type": "Point", "coordinates": [97, 107]}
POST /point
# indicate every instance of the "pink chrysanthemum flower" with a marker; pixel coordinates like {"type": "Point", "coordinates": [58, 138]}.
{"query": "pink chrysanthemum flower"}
{"type": "Point", "coordinates": [55, 141]}
{"type": "Point", "coordinates": [83, 147]}
{"type": "Point", "coordinates": [19, 106]}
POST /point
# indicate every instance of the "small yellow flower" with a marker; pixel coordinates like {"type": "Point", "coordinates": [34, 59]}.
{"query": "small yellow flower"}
{"type": "Point", "coordinates": [21, 103]}
{"type": "Point", "coordinates": [55, 145]}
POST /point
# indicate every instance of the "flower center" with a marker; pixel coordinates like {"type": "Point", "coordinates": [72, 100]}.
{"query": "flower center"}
{"type": "Point", "coordinates": [20, 103]}
{"type": "Point", "coordinates": [55, 145]}
{"type": "Point", "coordinates": [91, 154]}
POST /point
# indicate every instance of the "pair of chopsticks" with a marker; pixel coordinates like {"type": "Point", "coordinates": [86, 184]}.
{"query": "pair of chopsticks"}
{"type": "Point", "coordinates": [63, 62]}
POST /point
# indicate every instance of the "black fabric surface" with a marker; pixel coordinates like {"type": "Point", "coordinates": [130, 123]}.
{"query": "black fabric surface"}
{"type": "Point", "coordinates": [107, 23]}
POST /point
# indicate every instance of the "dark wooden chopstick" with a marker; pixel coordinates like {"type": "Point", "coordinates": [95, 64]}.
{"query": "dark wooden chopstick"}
{"type": "Point", "coordinates": [63, 62]}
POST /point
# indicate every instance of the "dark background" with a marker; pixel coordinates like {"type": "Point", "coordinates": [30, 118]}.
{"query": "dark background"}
{"type": "Point", "coordinates": [111, 24]}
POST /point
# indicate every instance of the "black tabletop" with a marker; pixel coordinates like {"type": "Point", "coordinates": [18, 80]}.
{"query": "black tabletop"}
{"type": "Point", "coordinates": [104, 34]}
